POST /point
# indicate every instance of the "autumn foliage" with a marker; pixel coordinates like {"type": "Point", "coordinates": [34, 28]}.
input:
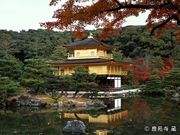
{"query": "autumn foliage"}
{"type": "Point", "coordinates": [140, 70]}
{"type": "Point", "coordinates": [111, 14]}
{"type": "Point", "coordinates": [178, 36]}
{"type": "Point", "coordinates": [140, 111]}
{"type": "Point", "coordinates": [168, 64]}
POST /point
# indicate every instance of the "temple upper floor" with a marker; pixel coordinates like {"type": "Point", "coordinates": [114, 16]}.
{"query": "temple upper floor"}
{"type": "Point", "coordinates": [89, 48]}
{"type": "Point", "coordinates": [89, 53]}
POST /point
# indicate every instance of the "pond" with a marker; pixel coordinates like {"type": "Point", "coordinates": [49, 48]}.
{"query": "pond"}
{"type": "Point", "coordinates": [138, 116]}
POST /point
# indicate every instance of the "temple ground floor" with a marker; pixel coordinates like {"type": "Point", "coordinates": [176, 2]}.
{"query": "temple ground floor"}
{"type": "Point", "coordinates": [107, 82]}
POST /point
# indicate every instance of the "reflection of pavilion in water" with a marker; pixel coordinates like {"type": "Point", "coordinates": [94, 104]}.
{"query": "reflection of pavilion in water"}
{"type": "Point", "coordinates": [103, 121]}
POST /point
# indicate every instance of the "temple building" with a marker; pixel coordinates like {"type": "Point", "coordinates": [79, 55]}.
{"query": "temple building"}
{"type": "Point", "coordinates": [97, 58]}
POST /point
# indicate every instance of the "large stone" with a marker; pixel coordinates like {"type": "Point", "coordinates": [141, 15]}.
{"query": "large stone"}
{"type": "Point", "coordinates": [28, 100]}
{"type": "Point", "coordinates": [60, 104]}
{"type": "Point", "coordinates": [36, 102]}
{"type": "Point", "coordinates": [24, 100]}
{"type": "Point", "coordinates": [176, 95]}
{"type": "Point", "coordinates": [95, 103]}
{"type": "Point", "coordinates": [13, 103]}
{"type": "Point", "coordinates": [76, 127]}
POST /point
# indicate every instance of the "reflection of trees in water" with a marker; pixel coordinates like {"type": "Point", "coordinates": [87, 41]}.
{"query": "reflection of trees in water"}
{"type": "Point", "coordinates": [139, 114]}
{"type": "Point", "coordinates": [148, 111]}
{"type": "Point", "coordinates": [152, 111]}
{"type": "Point", "coordinates": [77, 117]}
{"type": "Point", "coordinates": [35, 123]}
{"type": "Point", "coordinates": [165, 111]}
{"type": "Point", "coordinates": [140, 111]}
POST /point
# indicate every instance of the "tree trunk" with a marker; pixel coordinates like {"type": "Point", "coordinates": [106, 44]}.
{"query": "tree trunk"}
{"type": "Point", "coordinates": [76, 92]}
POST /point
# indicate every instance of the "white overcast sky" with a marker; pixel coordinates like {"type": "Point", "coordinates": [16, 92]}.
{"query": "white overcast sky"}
{"type": "Point", "coordinates": [20, 15]}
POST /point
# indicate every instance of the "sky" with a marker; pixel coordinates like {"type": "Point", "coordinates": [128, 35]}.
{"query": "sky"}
{"type": "Point", "coordinates": [20, 15]}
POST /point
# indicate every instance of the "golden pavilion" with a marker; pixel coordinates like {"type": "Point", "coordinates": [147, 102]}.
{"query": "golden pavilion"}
{"type": "Point", "coordinates": [97, 58]}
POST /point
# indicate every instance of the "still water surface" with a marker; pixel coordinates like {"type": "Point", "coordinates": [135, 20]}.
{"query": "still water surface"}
{"type": "Point", "coordinates": [155, 115]}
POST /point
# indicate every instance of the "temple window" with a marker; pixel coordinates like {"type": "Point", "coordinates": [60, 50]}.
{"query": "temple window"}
{"type": "Point", "coordinates": [78, 54]}
{"type": "Point", "coordinates": [92, 53]}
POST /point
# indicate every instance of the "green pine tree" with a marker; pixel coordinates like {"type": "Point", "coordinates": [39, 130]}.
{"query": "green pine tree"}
{"type": "Point", "coordinates": [83, 81]}
{"type": "Point", "coordinates": [36, 75]}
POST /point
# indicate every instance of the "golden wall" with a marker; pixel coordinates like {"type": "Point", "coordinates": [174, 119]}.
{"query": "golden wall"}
{"type": "Point", "coordinates": [68, 70]}
{"type": "Point", "coordinates": [116, 70]}
{"type": "Point", "coordinates": [104, 54]}
{"type": "Point", "coordinates": [85, 53]}
{"type": "Point", "coordinates": [98, 69]}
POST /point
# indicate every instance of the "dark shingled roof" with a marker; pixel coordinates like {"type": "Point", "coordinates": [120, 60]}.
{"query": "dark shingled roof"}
{"type": "Point", "coordinates": [86, 61]}
{"type": "Point", "coordinates": [86, 43]}
{"type": "Point", "coordinates": [80, 61]}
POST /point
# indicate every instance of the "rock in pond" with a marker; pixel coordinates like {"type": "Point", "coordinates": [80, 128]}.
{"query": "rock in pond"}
{"type": "Point", "coordinates": [75, 127]}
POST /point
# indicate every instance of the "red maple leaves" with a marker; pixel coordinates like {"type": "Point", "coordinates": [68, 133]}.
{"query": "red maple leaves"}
{"type": "Point", "coordinates": [168, 64]}
{"type": "Point", "coordinates": [178, 36]}
{"type": "Point", "coordinates": [140, 111]}
{"type": "Point", "coordinates": [141, 69]}
{"type": "Point", "coordinates": [109, 15]}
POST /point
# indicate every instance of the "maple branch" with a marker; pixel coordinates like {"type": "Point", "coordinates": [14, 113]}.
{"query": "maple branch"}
{"type": "Point", "coordinates": [118, 2]}
{"type": "Point", "coordinates": [166, 21]}
{"type": "Point", "coordinates": [142, 6]}
{"type": "Point", "coordinates": [178, 22]}
{"type": "Point", "coordinates": [177, 18]}
{"type": "Point", "coordinates": [161, 24]}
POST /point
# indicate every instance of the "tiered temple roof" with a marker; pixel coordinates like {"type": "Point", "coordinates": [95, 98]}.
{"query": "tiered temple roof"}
{"type": "Point", "coordinates": [88, 43]}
